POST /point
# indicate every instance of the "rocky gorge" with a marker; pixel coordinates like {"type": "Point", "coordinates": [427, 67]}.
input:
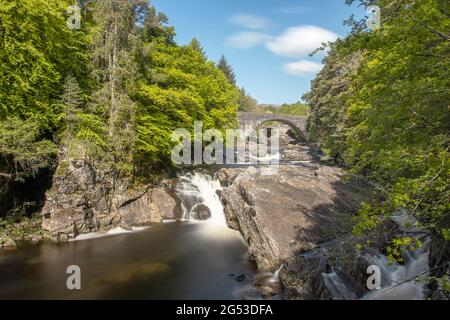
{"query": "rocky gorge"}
{"type": "Point", "coordinates": [288, 216]}
{"type": "Point", "coordinates": [298, 220]}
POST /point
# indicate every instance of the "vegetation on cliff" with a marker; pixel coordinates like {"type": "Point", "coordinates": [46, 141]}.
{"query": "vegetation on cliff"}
{"type": "Point", "coordinates": [110, 92]}
{"type": "Point", "coordinates": [380, 106]}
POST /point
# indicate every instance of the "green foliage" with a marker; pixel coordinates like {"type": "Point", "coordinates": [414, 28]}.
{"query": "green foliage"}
{"type": "Point", "coordinates": [380, 106]}
{"type": "Point", "coordinates": [25, 229]}
{"type": "Point", "coordinates": [24, 151]}
{"type": "Point", "coordinates": [446, 234]}
{"type": "Point", "coordinates": [442, 282]}
{"type": "Point", "coordinates": [328, 98]}
{"type": "Point", "coordinates": [295, 109]}
{"type": "Point", "coordinates": [369, 217]}
{"type": "Point", "coordinates": [399, 245]}
{"type": "Point", "coordinates": [247, 103]}
{"type": "Point", "coordinates": [100, 91]}
{"type": "Point", "coordinates": [181, 87]}
{"type": "Point", "coordinates": [155, 27]}
{"type": "Point", "coordinates": [227, 70]}
{"type": "Point", "coordinates": [37, 50]}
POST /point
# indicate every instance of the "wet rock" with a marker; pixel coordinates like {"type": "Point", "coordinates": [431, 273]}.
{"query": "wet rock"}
{"type": "Point", "coordinates": [35, 239]}
{"type": "Point", "coordinates": [268, 291]}
{"type": "Point", "coordinates": [267, 284]}
{"type": "Point", "coordinates": [288, 214]}
{"type": "Point", "coordinates": [7, 243]}
{"type": "Point", "coordinates": [240, 278]}
{"type": "Point", "coordinates": [164, 201]}
{"type": "Point", "coordinates": [201, 212]}
{"type": "Point", "coordinates": [84, 199]}
{"type": "Point", "coordinates": [439, 259]}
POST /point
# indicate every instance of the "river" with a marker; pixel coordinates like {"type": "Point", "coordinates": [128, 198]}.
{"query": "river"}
{"type": "Point", "coordinates": [176, 260]}
{"type": "Point", "coordinates": [198, 257]}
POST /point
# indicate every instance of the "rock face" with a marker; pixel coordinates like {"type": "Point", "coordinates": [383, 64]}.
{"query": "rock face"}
{"type": "Point", "coordinates": [440, 259]}
{"type": "Point", "coordinates": [83, 199]}
{"type": "Point", "coordinates": [287, 218]}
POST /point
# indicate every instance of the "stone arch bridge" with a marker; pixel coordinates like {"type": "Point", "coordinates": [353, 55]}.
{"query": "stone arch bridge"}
{"type": "Point", "coordinates": [251, 120]}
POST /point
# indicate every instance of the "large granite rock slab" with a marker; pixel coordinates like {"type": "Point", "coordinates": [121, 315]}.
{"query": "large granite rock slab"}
{"type": "Point", "coordinates": [288, 218]}
{"type": "Point", "coordinates": [84, 199]}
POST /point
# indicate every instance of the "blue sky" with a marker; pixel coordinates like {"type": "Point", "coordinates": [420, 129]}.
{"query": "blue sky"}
{"type": "Point", "coordinates": [266, 41]}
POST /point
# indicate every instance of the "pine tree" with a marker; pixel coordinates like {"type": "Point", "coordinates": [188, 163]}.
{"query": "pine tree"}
{"type": "Point", "coordinates": [196, 45]}
{"type": "Point", "coordinates": [154, 27]}
{"type": "Point", "coordinates": [115, 51]}
{"type": "Point", "coordinates": [246, 102]}
{"type": "Point", "coordinates": [227, 70]}
{"type": "Point", "coordinates": [71, 100]}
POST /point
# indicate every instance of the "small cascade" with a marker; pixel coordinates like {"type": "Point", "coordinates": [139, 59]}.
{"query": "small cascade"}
{"type": "Point", "coordinates": [402, 282]}
{"type": "Point", "coordinates": [398, 282]}
{"type": "Point", "coordinates": [197, 193]}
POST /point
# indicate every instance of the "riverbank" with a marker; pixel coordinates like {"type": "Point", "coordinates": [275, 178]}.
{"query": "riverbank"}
{"type": "Point", "coordinates": [26, 230]}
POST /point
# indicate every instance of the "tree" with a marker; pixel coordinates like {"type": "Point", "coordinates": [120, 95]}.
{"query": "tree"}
{"type": "Point", "coordinates": [71, 100]}
{"type": "Point", "coordinates": [37, 51]}
{"type": "Point", "coordinates": [180, 87]}
{"type": "Point", "coordinates": [227, 70]}
{"type": "Point", "coordinates": [196, 45]}
{"type": "Point", "coordinates": [296, 109]}
{"type": "Point", "coordinates": [24, 151]}
{"type": "Point", "coordinates": [246, 102]}
{"type": "Point", "coordinates": [388, 117]}
{"type": "Point", "coordinates": [155, 28]}
{"type": "Point", "coordinates": [115, 52]}
{"type": "Point", "coordinates": [328, 99]}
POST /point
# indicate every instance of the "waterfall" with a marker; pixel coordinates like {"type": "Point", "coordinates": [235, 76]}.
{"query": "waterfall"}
{"type": "Point", "coordinates": [398, 282]}
{"type": "Point", "coordinates": [197, 193]}
{"type": "Point", "coordinates": [403, 282]}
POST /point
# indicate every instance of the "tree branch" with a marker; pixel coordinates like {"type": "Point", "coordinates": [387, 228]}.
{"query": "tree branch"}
{"type": "Point", "coordinates": [435, 31]}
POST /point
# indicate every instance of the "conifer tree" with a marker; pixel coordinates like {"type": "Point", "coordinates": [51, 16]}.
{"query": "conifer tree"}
{"type": "Point", "coordinates": [246, 102]}
{"type": "Point", "coordinates": [227, 70]}
{"type": "Point", "coordinates": [116, 46]}
{"type": "Point", "coordinates": [196, 45]}
{"type": "Point", "coordinates": [71, 100]}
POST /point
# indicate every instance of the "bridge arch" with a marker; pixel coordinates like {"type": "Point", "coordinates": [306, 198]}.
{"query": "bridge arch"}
{"type": "Point", "coordinates": [254, 120]}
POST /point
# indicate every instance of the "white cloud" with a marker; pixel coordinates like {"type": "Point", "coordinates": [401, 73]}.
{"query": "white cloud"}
{"type": "Point", "coordinates": [300, 41]}
{"type": "Point", "coordinates": [247, 40]}
{"type": "Point", "coordinates": [302, 67]}
{"type": "Point", "coordinates": [249, 21]}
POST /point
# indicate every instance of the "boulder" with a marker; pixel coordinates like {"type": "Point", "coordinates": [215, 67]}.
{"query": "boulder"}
{"type": "Point", "coordinates": [7, 243]}
{"type": "Point", "coordinates": [200, 212]}
{"type": "Point", "coordinates": [85, 199]}
{"type": "Point", "coordinates": [287, 217]}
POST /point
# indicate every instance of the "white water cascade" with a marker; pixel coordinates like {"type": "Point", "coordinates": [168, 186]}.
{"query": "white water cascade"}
{"type": "Point", "coordinates": [199, 200]}
{"type": "Point", "coordinates": [402, 282]}
{"type": "Point", "coordinates": [398, 282]}
{"type": "Point", "coordinates": [405, 281]}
